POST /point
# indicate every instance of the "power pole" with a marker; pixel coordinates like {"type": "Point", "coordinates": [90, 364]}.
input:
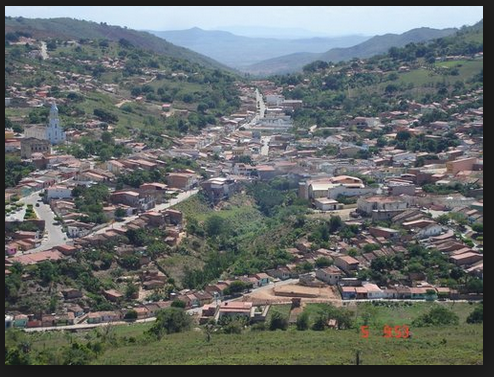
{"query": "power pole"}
{"type": "Point", "coordinates": [357, 358]}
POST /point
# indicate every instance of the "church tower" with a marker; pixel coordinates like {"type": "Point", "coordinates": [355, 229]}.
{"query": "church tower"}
{"type": "Point", "coordinates": [54, 132]}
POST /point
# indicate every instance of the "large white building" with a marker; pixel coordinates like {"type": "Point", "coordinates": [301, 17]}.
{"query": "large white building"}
{"type": "Point", "coordinates": [58, 192]}
{"type": "Point", "coordinates": [53, 132]}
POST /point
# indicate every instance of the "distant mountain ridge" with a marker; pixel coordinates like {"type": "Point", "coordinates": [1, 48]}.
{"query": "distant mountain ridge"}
{"type": "Point", "coordinates": [239, 51]}
{"type": "Point", "coordinates": [68, 28]}
{"type": "Point", "coordinates": [374, 46]}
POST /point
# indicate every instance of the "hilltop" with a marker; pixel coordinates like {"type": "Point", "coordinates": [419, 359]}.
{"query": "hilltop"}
{"type": "Point", "coordinates": [68, 28]}
{"type": "Point", "coordinates": [374, 46]}
{"type": "Point", "coordinates": [125, 84]}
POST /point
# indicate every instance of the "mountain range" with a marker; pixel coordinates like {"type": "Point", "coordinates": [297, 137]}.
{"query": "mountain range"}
{"type": "Point", "coordinates": [267, 56]}
{"type": "Point", "coordinates": [240, 51]}
{"type": "Point", "coordinates": [374, 46]}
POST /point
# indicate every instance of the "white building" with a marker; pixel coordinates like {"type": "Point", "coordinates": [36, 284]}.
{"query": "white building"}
{"type": "Point", "coordinates": [274, 99]}
{"type": "Point", "coordinates": [326, 205]}
{"type": "Point", "coordinates": [430, 231]}
{"type": "Point", "coordinates": [374, 292]}
{"type": "Point", "coordinates": [58, 192]}
{"type": "Point", "coordinates": [331, 275]}
{"type": "Point", "coordinates": [53, 132]}
{"type": "Point", "coordinates": [381, 203]}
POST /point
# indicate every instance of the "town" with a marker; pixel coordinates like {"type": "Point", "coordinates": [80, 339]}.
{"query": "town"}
{"type": "Point", "coordinates": [125, 196]}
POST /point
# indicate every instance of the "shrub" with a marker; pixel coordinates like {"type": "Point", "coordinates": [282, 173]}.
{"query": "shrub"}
{"type": "Point", "coordinates": [303, 322]}
{"type": "Point", "coordinates": [436, 317]}
{"type": "Point", "coordinates": [477, 316]}
{"type": "Point", "coordinates": [278, 322]}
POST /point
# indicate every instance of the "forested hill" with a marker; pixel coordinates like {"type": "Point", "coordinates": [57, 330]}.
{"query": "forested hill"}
{"type": "Point", "coordinates": [67, 28]}
{"type": "Point", "coordinates": [423, 72]}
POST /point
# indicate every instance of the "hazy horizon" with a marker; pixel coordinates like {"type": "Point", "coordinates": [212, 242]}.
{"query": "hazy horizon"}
{"type": "Point", "coordinates": [281, 21]}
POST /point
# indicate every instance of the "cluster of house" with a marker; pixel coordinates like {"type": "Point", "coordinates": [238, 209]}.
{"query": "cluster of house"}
{"type": "Point", "coordinates": [152, 279]}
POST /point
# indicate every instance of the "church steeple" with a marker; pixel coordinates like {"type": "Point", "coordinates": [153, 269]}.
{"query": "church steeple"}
{"type": "Point", "coordinates": [54, 132]}
{"type": "Point", "coordinates": [54, 110]}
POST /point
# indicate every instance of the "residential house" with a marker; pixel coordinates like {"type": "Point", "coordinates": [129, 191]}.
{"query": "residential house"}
{"type": "Point", "coordinates": [113, 295]}
{"type": "Point", "coordinates": [142, 312]}
{"type": "Point", "coordinates": [327, 205]}
{"type": "Point", "coordinates": [183, 181]}
{"type": "Point", "coordinates": [58, 192]}
{"type": "Point", "coordinates": [348, 293]}
{"type": "Point", "coordinates": [71, 293]}
{"type": "Point", "coordinates": [373, 291]}
{"type": "Point", "coordinates": [217, 290]}
{"type": "Point", "coordinates": [418, 293]}
{"type": "Point", "coordinates": [235, 310]}
{"type": "Point", "coordinates": [380, 207]}
{"type": "Point", "coordinates": [431, 230]}
{"type": "Point", "coordinates": [20, 321]}
{"type": "Point", "coordinates": [454, 167]}
{"type": "Point", "coordinates": [386, 233]}
{"type": "Point", "coordinates": [9, 322]}
{"type": "Point", "coordinates": [331, 275]}
{"type": "Point", "coordinates": [347, 263]}
{"type": "Point", "coordinates": [218, 189]}
{"type": "Point", "coordinates": [30, 145]}
{"type": "Point", "coordinates": [262, 279]}
{"type": "Point", "coordinates": [466, 259]}
{"type": "Point", "coordinates": [282, 273]}
{"type": "Point", "coordinates": [133, 199]}
{"type": "Point", "coordinates": [173, 217]}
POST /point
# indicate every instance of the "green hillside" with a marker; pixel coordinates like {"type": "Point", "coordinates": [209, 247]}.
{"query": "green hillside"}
{"type": "Point", "coordinates": [67, 28]}
{"type": "Point", "coordinates": [101, 74]}
{"type": "Point", "coordinates": [423, 72]}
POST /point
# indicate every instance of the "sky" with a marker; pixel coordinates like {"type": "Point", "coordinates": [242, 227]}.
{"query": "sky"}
{"type": "Point", "coordinates": [322, 20]}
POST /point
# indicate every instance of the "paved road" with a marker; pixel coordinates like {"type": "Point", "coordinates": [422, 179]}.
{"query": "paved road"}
{"type": "Point", "coordinates": [88, 327]}
{"type": "Point", "coordinates": [121, 225]}
{"type": "Point", "coordinates": [265, 145]}
{"type": "Point", "coordinates": [55, 236]}
{"type": "Point", "coordinates": [44, 51]}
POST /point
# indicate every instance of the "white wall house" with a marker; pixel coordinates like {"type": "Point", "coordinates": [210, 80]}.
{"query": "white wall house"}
{"type": "Point", "coordinates": [58, 192]}
{"type": "Point", "coordinates": [430, 231]}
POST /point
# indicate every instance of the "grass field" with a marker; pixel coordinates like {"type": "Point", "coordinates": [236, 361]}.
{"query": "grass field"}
{"type": "Point", "coordinates": [444, 345]}
{"type": "Point", "coordinates": [449, 345]}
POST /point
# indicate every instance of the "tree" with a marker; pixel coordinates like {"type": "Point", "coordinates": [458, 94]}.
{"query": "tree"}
{"type": "Point", "coordinates": [179, 304]}
{"type": "Point", "coordinates": [106, 116]}
{"type": "Point", "coordinates": [335, 224]}
{"type": "Point", "coordinates": [47, 272]}
{"type": "Point", "coordinates": [131, 291]}
{"type": "Point", "coordinates": [478, 227]}
{"type": "Point", "coordinates": [323, 262]}
{"type": "Point", "coordinates": [443, 219]}
{"type": "Point", "coordinates": [237, 287]}
{"type": "Point", "coordinates": [170, 321]}
{"type": "Point", "coordinates": [131, 315]}
{"type": "Point", "coordinates": [403, 136]}
{"type": "Point", "coordinates": [107, 138]}
{"type": "Point", "coordinates": [303, 322]}
{"type": "Point", "coordinates": [278, 322]}
{"type": "Point", "coordinates": [120, 213]}
{"type": "Point", "coordinates": [475, 286]}
{"type": "Point", "coordinates": [477, 316]}
{"type": "Point", "coordinates": [321, 323]}
{"type": "Point", "coordinates": [436, 317]}
{"type": "Point", "coordinates": [215, 225]}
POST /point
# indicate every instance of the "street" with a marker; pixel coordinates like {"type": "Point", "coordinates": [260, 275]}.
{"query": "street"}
{"type": "Point", "coordinates": [54, 234]}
